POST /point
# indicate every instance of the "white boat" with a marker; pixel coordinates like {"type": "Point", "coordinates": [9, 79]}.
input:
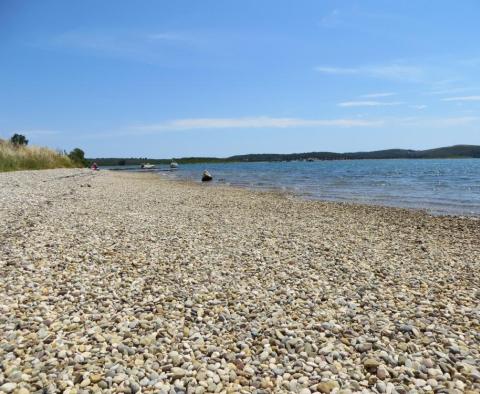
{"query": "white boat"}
{"type": "Point", "coordinates": [173, 164]}
{"type": "Point", "coordinates": [147, 166]}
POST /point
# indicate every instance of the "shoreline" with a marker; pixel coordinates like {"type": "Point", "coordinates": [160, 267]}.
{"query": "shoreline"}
{"type": "Point", "coordinates": [305, 198]}
{"type": "Point", "coordinates": [121, 282]}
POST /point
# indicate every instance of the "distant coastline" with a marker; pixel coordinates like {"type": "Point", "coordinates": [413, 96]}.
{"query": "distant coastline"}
{"type": "Point", "coordinates": [451, 152]}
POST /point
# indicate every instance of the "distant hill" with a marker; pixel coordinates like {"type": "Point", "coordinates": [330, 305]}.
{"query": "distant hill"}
{"type": "Point", "coordinates": [457, 151]}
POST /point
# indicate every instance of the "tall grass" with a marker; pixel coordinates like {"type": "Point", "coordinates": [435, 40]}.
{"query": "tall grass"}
{"type": "Point", "coordinates": [13, 158]}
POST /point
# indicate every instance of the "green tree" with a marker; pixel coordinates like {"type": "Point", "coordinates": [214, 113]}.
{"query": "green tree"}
{"type": "Point", "coordinates": [78, 156]}
{"type": "Point", "coordinates": [19, 140]}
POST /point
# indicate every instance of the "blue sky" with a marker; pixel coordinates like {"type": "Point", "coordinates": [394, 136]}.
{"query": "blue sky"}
{"type": "Point", "coordinates": [181, 78]}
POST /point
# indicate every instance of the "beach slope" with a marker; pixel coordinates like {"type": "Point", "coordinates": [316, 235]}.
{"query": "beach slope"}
{"type": "Point", "coordinates": [127, 282]}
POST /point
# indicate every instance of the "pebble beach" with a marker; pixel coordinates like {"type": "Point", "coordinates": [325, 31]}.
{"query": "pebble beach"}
{"type": "Point", "coordinates": [118, 282]}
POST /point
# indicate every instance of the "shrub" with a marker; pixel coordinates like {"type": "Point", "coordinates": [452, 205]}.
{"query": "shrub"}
{"type": "Point", "coordinates": [19, 140]}
{"type": "Point", "coordinates": [20, 157]}
{"type": "Point", "coordinates": [78, 156]}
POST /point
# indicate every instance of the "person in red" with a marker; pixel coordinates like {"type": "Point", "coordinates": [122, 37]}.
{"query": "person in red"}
{"type": "Point", "coordinates": [94, 166]}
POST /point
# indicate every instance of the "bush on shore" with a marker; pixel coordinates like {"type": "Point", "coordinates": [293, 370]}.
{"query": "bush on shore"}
{"type": "Point", "coordinates": [15, 157]}
{"type": "Point", "coordinates": [78, 157]}
{"type": "Point", "coordinates": [19, 139]}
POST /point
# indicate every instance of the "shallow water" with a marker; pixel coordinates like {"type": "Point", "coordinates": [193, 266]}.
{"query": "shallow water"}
{"type": "Point", "coordinates": [447, 186]}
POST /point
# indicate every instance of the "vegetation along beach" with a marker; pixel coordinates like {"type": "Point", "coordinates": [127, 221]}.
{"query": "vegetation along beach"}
{"type": "Point", "coordinates": [129, 282]}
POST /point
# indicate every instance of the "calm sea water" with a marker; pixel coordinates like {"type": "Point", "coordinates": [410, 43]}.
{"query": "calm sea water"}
{"type": "Point", "coordinates": [439, 186]}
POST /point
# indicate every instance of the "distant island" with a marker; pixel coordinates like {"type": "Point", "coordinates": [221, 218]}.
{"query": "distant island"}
{"type": "Point", "coordinates": [457, 151]}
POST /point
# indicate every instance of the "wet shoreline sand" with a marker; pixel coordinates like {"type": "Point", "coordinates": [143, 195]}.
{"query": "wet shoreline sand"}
{"type": "Point", "coordinates": [121, 282]}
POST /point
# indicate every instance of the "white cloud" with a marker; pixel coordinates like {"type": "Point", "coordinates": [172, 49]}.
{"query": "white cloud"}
{"type": "Point", "coordinates": [208, 124]}
{"type": "Point", "coordinates": [251, 122]}
{"type": "Point", "coordinates": [462, 98]}
{"type": "Point", "coordinates": [337, 70]}
{"type": "Point", "coordinates": [439, 122]}
{"type": "Point", "coordinates": [419, 106]}
{"type": "Point", "coordinates": [449, 91]}
{"type": "Point", "coordinates": [377, 95]}
{"type": "Point", "coordinates": [457, 121]}
{"type": "Point", "coordinates": [368, 104]}
{"type": "Point", "coordinates": [39, 132]}
{"type": "Point", "coordinates": [389, 71]}
{"type": "Point", "coordinates": [127, 44]}
{"type": "Point", "coordinates": [395, 71]}
{"type": "Point", "coordinates": [167, 37]}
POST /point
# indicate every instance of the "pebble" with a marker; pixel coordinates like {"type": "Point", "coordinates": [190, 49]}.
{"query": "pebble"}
{"type": "Point", "coordinates": [327, 387]}
{"type": "Point", "coordinates": [95, 378]}
{"type": "Point", "coordinates": [382, 372]}
{"type": "Point", "coordinates": [371, 364]}
{"type": "Point", "coordinates": [143, 284]}
{"type": "Point", "coordinates": [8, 387]}
{"type": "Point", "coordinates": [178, 373]}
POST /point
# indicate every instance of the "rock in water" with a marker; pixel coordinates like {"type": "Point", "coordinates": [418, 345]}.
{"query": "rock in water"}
{"type": "Point", "coordinates": [206, 177]}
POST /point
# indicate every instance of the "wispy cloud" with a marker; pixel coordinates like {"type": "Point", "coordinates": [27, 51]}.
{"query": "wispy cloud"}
{"type": "Point", "coordinates": [356, 18]}
{"type": "Point", "coordinates": [368, 104]}
{"type": "Point", "coordinates": [388, 71]}
{"type": "Point", "coordinates": [265, 122]}
{"type": "Point", "coordinates": [204, 125]}
{"type": "Point", "coordinates": [447, 91]}
{"type": "Point", "coordinates": [378, 95]}
{"type": "Point", "coordinates": [167, 36]}
{"type": "Point", "coordinates": [439, 122]}
{"type": "Point", "coordinates": [136, 45]}
{"type": "Point", "coordinates": [396, 71]}
{"type": "Point", "coordinates": [40, 132]}
{"type": "Point", "coordinates": [251, 122]}
{"type": "Point", "coordinates": [462, 98]}
{"type": "Point", "coordinates": [419, 106]}
{"type": "Point", "coordinates": [337, 70]}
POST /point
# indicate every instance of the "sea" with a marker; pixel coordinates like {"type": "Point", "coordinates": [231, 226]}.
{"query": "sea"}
{"type": "Point", "coordinates": [442, 187]}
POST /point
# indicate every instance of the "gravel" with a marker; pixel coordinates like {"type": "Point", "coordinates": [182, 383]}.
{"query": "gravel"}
{"type": "Point", "coordinates": [127, 282]}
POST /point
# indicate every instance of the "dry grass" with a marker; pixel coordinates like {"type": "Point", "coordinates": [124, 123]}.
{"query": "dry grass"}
{"type": "Point", "coordinates": [13, 158]}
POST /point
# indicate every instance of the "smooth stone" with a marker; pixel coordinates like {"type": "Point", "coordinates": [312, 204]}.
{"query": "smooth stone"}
{"type": "Point", "coordinates": [381, 387]}
{"type": "Point", "coordinates": [371, 364]}
{"type": "Point", "coordinates": [8, 387]}
{"type": "Point", "coordinates": [327, 387]}
{"type": "Point", "coordinates": [178, 372]}
{"type": "Point", "coordinates": [135, 387]}
{"type": "Point", "coordinates": [382, 372]}
{"type": "Point", "coordinates": [95, 378]}
{"type": "Point", "coordinates": [364, 347]}
{"type": "Point", "coordinates": [175, 357]}
{"type": "Point", "coordinates": [420, 383]}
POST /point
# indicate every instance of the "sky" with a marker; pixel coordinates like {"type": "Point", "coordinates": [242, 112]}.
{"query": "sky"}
{"type": "Point", "coordinates": [180, 78]}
